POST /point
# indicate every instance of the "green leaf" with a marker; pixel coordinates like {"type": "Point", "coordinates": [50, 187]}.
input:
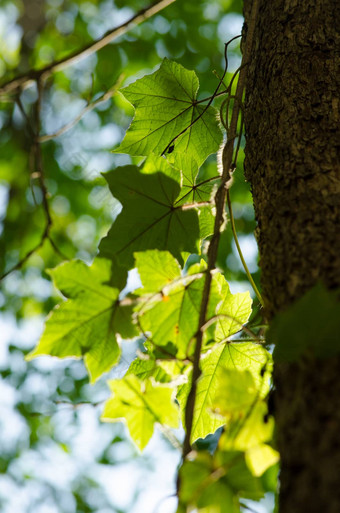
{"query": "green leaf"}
{"type": "Point", "coordinates": [249, 432]}
{"type": "Point", "coordinates": [240, 356]}
{"type": "Point", "coordinates": [150, 218]}
{"type": "Point", "coordinates": [215, 483]}
{"type": "Point", "coordinates": [199, 487]}
{"type": "Point", "coordinates": [260, 458]}
{"type": "Point", "coordinates": [173, 316]}
{"type": "Point", "coordinates": [194, 188]}
{"type": "Point", "coordinates": [197, 190]}
{"type": "Point", "coordinates": [235, 393]}
{"type": "Point", "coordinates": [87, 323]}
{"type": "Point", "coordinates": [141, 404]}
{"type": "Point", "coordinates": [238, 475]}
{"type": "Point", "coordinates": [148, 368]}
{"type": "Point", "coordinates": [206, 222]}
{"type": "Point", "coordinates": [247, 423]}
{"type": "Point", "coordinates": [234, 311]}
{"type": "Point", "coordinates": [166, 104]}
{"type": "Point", "coordinates": [311, 324]}
{"type": "Point", "coordinates": [156, 269]}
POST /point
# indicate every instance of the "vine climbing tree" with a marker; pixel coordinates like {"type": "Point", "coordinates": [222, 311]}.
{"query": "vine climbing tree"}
{"type": "Point", "coordinates": [205, 360]}
{"type": "Point", "coordinates": [184, 309]}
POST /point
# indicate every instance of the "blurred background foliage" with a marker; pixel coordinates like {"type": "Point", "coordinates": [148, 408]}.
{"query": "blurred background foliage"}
{"type": "Point", "coordinates": [55, 456]}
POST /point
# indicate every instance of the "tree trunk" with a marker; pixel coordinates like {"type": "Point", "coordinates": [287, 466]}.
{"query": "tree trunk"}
{"type": "Point", "coordinates": [292, 161]}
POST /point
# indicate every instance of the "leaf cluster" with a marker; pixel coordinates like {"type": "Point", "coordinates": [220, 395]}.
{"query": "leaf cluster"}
{"type": "Point", "coordinates": [89, 322]}
{"type": "Point", "coordinates": [167, 214]}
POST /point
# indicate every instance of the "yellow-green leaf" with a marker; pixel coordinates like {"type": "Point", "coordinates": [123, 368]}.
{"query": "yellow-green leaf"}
{"type": "Point", "coordinates": [86, 324]}
{"type": "Point", "coordinates": [141, 404]}
{"type": "Point", "coordinates": [165, 105]}
{"type": "Point", "coordinates": [238, 355]}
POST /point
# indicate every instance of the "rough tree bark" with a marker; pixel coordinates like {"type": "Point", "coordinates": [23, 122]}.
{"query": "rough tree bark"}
{"type": "Point", "coordinates": [292, 162]}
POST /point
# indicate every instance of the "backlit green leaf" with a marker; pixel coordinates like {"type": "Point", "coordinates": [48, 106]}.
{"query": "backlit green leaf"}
{"type": "Point", "coordinates": [236, 392]}
{"type": "Point", "coordinates": [260, 458]}
{"type": "Point", "coordinates": [173, 316]}
{"type": "Point", "coordinates": [249, 432]}
{"type": "Point", "coordinates": [201, 489]}
{"type": "Point", "coordinates": [87, 323]}
{"type": "Point", "coordinates": [216, 483]}
{"type": "Point", "coordinates": [166, 104]}
{"type": "Point", "coordinates": [234, 311]}
{"type": "Point", "coordinates": [147, 368]}
{"type": "Point", "coordinates": [194, 187]}
{"type": "Point", "coordinates": [238, 355]}
{"type": "Point", "coordinates": [247, 423]}
{"type": "Point", "coordinates": [156, 269]}
{"type": "Point", "coordinates": [238, 475]}
{"type": "Point", "coordinates": [150, 218]}
{"type": "Point", "coordinates": [141, 404]}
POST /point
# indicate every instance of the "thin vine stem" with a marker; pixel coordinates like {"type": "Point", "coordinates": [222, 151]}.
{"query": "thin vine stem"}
{"type": "Point", "coordinates": [228, 89]}
{"type": "Point", "coordinates": [232, 220]}
{"type": "Point", "coordinates": [233, 228]}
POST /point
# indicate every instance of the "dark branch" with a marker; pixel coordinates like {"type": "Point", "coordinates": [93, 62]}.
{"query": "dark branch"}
{"type": "Point", "coordinates": [23, 81]}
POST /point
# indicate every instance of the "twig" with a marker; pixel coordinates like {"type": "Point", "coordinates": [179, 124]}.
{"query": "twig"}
{"type": "Point", "coordinates": [163, 499]}
{"type": "Point", "coordinates": [25, 116]}
{"type": "Point", "coordinates": [220, 199]}
{"type": "Point", "coordinates": [225, 106]}
{"type": "Point", "coordinates": [39, 158]}
{"type": "Point", "coordinates": [32, 134]}
{"type": "Point", "coordinates": [189, 206]}
{"type": "Point", "coordinates": [90, 106]}
{"type": "Point", "coordinates": [234, 341]}
{"type": "Point", "coordinates": [23, 81]}
{"type": "Point", "coordinates": [220, 78]}
{"type": "Point", "coordinates": [228, 89]}
{"type": "Point", "coordinates": [21, 262]}
{"type": "Point", "coordinates": [186, 279]}
{"type": "Point", "coordinates": [37, 172]}
{"type": "Point", "coordinates": [78, 404]}
{"type": "Point", "coordinates": [56, 249]}
{"type": "Point", "coordinates": [238, 145]}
